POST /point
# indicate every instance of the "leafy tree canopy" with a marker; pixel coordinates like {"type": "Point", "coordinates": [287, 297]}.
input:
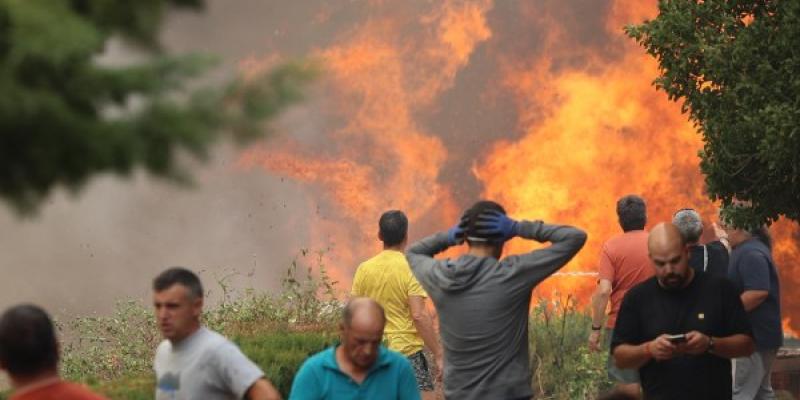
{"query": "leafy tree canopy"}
{"type": "Point", "coordinates": [65, 117]}
{"type": "Point", "coordinates": [736, 66]}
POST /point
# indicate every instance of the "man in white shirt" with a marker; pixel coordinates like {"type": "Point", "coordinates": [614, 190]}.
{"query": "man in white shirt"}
{"type": "Point", "coordinates": [194, 362]}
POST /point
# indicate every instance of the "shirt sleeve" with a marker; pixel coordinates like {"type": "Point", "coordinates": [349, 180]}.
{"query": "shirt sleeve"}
{"type": "Point", "coordinates": [754, 269]}
{"type": "Point", "coordinates": [236, 372]}
{"type": "Point", "coordinates": [306, 386]}
{"type": "Point", "coordinates": [420, 255]}
{"type": "Point", "coordinates": [627, 329]}
{"type": "Point", "coordinates": [537, 265]}
{"type": "Point", "coordinates": [414, 288]}
{"type": "Point", "coordinates": [605, 269]}
{"type": "Point", "coordinates": [735, 317]}
{"type": "Point", "coordinates": [407, 386]}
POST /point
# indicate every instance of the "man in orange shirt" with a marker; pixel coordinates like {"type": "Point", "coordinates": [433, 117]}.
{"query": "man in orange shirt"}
{"type": "Point", "coordinates": [624, 262]}
{"type": "Point", "coordinates": [29, 354]}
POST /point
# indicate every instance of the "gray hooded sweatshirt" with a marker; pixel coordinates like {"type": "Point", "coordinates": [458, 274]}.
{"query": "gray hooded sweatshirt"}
{"type": "Point", "coordinates": [483, 306]}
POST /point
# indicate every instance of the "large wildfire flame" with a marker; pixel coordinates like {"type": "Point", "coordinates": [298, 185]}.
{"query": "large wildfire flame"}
{"type": "Point", "coordinates": [589, 128]}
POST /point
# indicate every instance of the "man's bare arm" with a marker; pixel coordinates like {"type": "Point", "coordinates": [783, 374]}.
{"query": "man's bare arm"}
{"type": "Point", "coordinates": [599, 304]}
{"type": "Point", "coordinates": [753, 298]}
{"type": "Point", "coordinates": [424, 324]}
{"type": "Point", "coordinates": [630, 356]}
{"type": "Point", "coordinates": [262, 389]}
{"type": "Point", "coordinates": [733, 346]}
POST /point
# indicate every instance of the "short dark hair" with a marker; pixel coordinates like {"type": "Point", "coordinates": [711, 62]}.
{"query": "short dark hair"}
{"type": "Point", "coordinates": [472, 215]}
{"type": "Point", "coordinates": [632, 212]}
{"type": "Point", "coordinates": [182, 276]}
{"type": "Point", "coordinates": [393, 227]}
{"type": "Point", "coordinates": [28, 343]}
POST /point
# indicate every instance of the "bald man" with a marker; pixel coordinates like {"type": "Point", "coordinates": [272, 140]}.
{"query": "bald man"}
{"type": "Point", "coordinates": [359, 367]}
{"type": "Point", "coordinates": [680, 329]}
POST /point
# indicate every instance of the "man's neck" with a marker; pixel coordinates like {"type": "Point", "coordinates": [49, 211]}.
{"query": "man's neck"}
{"type": "Point", "coordinates": [480, 251]}
{"type": "Point", "coordinates": [400, 247]}
{"type": "Point", "coordinates": [182, 339]}
{"type": "Point", "coordinates": [348, 368]}
{"type": "Point", "coordinates": [23, 384]}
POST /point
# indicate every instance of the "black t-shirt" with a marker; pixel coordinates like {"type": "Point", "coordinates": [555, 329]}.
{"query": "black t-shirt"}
{"type": "Point", "coordinates": [715, 256]}
{"type": "Point", "coordinates": [709, 305]}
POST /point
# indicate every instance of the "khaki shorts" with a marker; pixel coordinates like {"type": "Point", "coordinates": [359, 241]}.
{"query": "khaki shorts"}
{"type": "Point", "coordinates": [620, 375]}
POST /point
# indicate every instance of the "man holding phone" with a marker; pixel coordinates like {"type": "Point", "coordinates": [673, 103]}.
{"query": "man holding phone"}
{"type": "Point", "coordinates": [680, 329]}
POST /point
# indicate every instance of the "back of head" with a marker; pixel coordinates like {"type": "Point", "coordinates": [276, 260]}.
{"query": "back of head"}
{"type": "Point", "coordinates": [632, 213]}
{"type": "Point", "coordinates": [179, 275]}
{"type": "Point", "coordinates": [28, 344]}
{"type": "Point", "coordinates": [472, 214]}
{"type": "Point", "coordinates": [689, 223]}
{"type": "Point", "coordinates": [665, 237]}
{"type": "Point", "coordinates": [363, 309]}
{"type": "Point", "coordinates": [393, 227]}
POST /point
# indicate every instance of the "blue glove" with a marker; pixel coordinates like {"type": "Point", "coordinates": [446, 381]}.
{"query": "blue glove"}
{"type": "Point", "coordinates": [493, 224]}
{"type": "Point", "coordinates": [458, 233]}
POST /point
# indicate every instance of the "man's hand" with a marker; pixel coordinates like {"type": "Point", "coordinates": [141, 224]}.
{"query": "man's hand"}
{"type": "Point", "coordinates": [493, 224]}
{"type": "Point", "coordinates": [457, 233]}
{"type": "Point", "coordinates": [696, 343]}
{"type": "Point", "coordinates": [661, 348]}
{"type": "Point", "coordinates": [594, 340]}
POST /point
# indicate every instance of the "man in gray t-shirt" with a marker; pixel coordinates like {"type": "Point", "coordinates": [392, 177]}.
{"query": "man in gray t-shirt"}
{"type": "Point", "coordinates": [483, 301]}
{"type": "Point", "coordinates": [194, 362]}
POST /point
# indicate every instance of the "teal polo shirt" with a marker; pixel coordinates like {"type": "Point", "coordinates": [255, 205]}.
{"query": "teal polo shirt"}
{"type": "Point", "coordinates": [390, 378]}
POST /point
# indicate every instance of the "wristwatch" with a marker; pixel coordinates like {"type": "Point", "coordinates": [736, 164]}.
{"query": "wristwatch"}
{"type": "Point", "coordinates": [710, 348]}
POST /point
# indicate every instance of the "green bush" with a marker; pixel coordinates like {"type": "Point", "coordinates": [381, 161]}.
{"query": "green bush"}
{"type": "Point", "coordinates": [562, 365]}
{"type": "Point", "coordinates": [280, 354]}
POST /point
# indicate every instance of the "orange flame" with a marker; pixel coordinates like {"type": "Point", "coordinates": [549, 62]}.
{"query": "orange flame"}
{"type": "Point", "coordinates": [589, 128]}
{"type": "Point", "coordinates": [385, 159]}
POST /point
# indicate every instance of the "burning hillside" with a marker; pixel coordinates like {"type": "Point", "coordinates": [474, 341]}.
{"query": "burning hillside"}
{"type": "Point", "coordinates": [545, 107]}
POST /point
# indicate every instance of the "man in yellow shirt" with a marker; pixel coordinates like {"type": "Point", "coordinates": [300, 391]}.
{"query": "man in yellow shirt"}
{"type": "Point", "coordinates": [387, 279]}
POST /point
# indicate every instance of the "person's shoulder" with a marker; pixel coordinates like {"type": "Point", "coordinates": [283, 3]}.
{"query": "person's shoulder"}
{"type": "Point", "coordinates": [716, 245]}
{"type": "Point", "coordinates": [217, 344]}
{"type": "Point", "coordinates": [391, 357]}
{"type": "Point", "coordinates": [320, 359]}
{"type": "Point", "coordinates": [386, 258]}
{"type": "Point", "coordinates": [625, 239]}
{"type": "Point", "coordinates": [716, 281]}
{"type": "Point", "coordinates": [63, 391]}
{"type": "Point", "coordinates": [643, 288]}
{"type": "Point", "coordinates": [76, 391]}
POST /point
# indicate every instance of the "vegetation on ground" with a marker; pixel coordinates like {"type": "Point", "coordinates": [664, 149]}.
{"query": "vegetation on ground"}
{"type": "Point", "coordinates": [113, 354]}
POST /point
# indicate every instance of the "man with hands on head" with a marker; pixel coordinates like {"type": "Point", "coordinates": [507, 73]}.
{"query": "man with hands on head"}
{"type": "Point", "coordinates": [680, 328]}
{"type": "Point", "coordinates": [483, 301]}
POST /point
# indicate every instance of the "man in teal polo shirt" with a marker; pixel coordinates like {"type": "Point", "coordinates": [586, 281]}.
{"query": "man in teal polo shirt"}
{"type": "Point", "coordinates": [358, 368]}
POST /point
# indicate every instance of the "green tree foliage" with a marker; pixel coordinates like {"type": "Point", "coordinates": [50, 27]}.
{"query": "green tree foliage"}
{"type": "Point", "coordinates": [736, 66]}
{"type": "Point", "coordinates": [65, 117]}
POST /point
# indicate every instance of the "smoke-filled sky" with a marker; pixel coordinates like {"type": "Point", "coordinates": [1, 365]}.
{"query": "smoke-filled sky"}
{"type": "Point", "coordinates": [425, 106]}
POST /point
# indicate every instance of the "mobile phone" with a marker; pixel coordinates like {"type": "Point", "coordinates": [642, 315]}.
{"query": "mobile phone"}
{"type": "Point", "coordinates": [675, 339]}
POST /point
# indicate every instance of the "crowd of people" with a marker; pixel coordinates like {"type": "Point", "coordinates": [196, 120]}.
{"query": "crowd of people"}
{"type": "Point", "coordinates": [672, 313]}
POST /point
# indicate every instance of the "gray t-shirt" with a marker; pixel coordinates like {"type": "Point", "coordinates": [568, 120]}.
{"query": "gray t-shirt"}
{"type": "Point", "coordinates": [205, 366]}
